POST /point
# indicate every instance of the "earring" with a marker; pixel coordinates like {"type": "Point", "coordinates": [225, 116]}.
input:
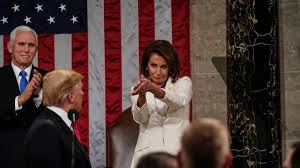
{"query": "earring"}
{"type": "Point", "coordinates": [146, 69]}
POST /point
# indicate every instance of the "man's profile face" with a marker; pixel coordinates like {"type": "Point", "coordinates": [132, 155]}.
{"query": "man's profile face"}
{"type": "Point", "coordinates": [78, 96]}
{"type": "Point", "coordinates": [23, 49]}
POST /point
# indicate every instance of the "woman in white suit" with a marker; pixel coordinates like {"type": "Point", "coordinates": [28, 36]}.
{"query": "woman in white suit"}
{"type": "Point", "coordinates": [160, 101]}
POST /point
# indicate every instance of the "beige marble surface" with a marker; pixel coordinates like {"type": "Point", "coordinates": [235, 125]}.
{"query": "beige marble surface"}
{"type": "Point", "coordinates": [289, 35]}
{"type": "Point", "coordinates": [208, 47]}
{"type": "Point", "coordinates": [208, 41]}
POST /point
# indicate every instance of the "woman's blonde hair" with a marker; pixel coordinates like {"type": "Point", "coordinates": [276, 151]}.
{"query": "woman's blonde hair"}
{"type": "Point", "coordinates": [57, 85]}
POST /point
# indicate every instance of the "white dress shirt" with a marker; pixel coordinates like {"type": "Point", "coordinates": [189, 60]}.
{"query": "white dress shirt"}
{"type": "Point", "coordinates": [63, 115]}
{"type": "Point", "coordinates": [17, 70]}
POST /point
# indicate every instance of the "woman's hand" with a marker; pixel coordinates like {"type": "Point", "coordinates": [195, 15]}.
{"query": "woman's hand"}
{"type": "Point", "coordinates": [144, 85]}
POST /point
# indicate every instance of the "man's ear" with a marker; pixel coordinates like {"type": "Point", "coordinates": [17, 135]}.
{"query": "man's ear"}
{"type": "Point", "coordinates": [70, 97]}
{"type": "Point", "coordinates": [9, 46]}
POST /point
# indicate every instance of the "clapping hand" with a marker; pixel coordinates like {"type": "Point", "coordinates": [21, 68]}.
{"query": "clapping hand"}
{"type": "Point", "coordinates": [144, 85]}
{"type": "Point", "coordinates": [32, 88]}
{"type": "Point", "coordinates": [37, 80]}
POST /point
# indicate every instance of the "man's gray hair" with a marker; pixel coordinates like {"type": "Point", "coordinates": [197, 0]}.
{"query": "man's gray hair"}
{"type": "Point", "coordinates": [22, 28]}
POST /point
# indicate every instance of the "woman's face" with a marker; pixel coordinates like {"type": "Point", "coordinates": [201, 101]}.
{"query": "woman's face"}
{"type": "Point", "coordinates": [158, 69]}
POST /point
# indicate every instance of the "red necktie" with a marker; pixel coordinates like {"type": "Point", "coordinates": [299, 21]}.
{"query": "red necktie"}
{"type": "Point", "coordinates": [76, 132]}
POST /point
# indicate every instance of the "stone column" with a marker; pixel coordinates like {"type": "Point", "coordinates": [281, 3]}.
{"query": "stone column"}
{"type": "Point", "coordinates": [253, 83]}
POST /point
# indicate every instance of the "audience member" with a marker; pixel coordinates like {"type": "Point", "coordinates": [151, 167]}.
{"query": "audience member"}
{"type": "Point", "coordinates": [205, 143]}
{"type": "Point", "coordinates": [293, 157]}
{"type": "Point", "coordinates": [50, 142]}
{"type": "Point", "coordinates": [157, 160]}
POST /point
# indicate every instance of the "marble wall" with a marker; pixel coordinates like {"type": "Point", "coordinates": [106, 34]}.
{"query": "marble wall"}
{"type": "Point", "coordinates": [253, 83]}
{"type": "Point", "coordinates": [289, 42]}
{"type": "Point", "coordinates": [208, 58]}
{"type": "Point", "coordinates": [208, 53]}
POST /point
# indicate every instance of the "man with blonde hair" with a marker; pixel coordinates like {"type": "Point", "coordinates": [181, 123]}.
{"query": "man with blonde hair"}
{"type": "Point", "coordinates": [205, 143]}
{"type": "Point", "coordinates": [49, 142]}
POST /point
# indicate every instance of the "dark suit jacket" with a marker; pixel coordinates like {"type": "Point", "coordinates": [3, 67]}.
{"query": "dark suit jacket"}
{"type": "Point", "coordinates": [13, 128]}
{"type": "Point", "coordinates": [49, 144]}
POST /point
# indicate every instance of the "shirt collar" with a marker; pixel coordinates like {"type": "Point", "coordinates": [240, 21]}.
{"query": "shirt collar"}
{"type": "Point", "coordinates": [62, 113]}
{"type": "Point", "coordinates": [17, 70]}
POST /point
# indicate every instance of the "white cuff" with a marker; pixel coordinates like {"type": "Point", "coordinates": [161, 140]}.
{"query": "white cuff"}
{"type": "Point", "coordinates": [141, 108]}
{"type": "Point", "coordinates": [17, 104]}
{"type": "Point", "coordinates": [38, 100]}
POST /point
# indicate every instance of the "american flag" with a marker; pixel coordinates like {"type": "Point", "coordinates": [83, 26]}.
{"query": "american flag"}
{"type": "Point", "coordinates": [103, 40]}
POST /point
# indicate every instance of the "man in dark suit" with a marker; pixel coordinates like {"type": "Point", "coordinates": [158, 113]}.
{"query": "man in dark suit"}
{"type": "Point", "coordinates": [20, 95]}
{"type": "Point", "coordinates": [50, 139]}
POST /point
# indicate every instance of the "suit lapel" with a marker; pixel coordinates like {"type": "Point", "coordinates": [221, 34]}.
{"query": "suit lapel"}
{"type": "Point", "coordinates": [169, 85]}
{"type": "Point", "coordinates": [62, 124]}
{"type": "Point", "coordinates": [12, 80]}
{"type": "Point", "coordinates": [69, 132]}
{"type": "Point", "coordinates": [31, 73]}
{"type": "Point", "coordinates": [77, 143]}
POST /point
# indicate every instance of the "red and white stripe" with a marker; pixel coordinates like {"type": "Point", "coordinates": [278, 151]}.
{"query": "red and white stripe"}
{"type": "Point", "coordinates": [108, 57]}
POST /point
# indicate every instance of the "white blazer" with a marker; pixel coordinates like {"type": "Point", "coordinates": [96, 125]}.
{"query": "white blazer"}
{"type": "Point", "coordinates": [162, 121]}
